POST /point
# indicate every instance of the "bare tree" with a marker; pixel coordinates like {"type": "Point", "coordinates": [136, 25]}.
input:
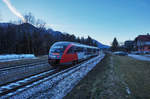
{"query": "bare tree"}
{"type": "Point", "coordinates": [40, 23]}
{"type": "Point", "coordinates": [29, 18]}
{"type": "Point", "coordinates": [20, 22]}
{"type": "Point", "coordinates": [0, 16]}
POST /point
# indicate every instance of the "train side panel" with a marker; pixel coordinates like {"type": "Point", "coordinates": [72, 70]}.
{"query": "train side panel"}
{"type": "Point", "coordinates": [68, 58]}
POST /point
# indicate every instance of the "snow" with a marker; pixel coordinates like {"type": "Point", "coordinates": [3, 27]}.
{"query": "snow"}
{"type": "Point", "coordinates": [140, 57]}
{"type": "Point", "coordinates": [128, 90]}
{"type": "Point", "coordinates": [57, 87]}
{"type": "Point", "coordinates": [147, 55]}
{"type": "Point", "coordinates": [11, 57]}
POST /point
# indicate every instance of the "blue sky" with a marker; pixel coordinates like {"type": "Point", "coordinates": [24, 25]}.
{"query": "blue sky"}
{"type": "Point", "coordinates": [101, 19]}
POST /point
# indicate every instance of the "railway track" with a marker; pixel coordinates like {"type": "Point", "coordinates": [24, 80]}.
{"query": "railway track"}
{"type": "Point", "coordinates": [13, 88]}
{"type": "Point", "coordinates": [8, 75]}
{"type": "Point", "coordinates": [22, 65]}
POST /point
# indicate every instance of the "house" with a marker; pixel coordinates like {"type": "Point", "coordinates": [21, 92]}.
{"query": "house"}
{"type": "Point", "coordinates": [142, 43]}
{"type": "Point", "coordinates": [129, 45]}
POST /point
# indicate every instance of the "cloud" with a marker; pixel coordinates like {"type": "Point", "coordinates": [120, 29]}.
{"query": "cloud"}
{"type": "Point", "coordinates": [13, 10]}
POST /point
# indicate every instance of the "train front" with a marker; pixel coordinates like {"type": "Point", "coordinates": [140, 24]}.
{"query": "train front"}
{"type": "Point", "coordinates": [55, 53]}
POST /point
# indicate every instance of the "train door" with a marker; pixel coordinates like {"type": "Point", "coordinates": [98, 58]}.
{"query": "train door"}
{"type": "Point", "coordinates": [71, 55]}
{"type": "Point", "coordinates": [80, 53]}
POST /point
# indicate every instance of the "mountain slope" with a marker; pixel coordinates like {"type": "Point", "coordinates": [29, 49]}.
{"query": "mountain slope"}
{"type": "Point", "coordinates": [102, 46]}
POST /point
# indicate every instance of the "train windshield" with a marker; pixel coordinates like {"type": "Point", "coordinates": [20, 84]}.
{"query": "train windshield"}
{"type": "Point", "coordinates": [57, 49]}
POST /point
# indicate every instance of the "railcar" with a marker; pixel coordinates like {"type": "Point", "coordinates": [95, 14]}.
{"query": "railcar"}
{"type": "Point", "coordinates": [67, 53]}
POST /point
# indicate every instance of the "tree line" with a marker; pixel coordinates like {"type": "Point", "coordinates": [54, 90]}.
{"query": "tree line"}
{"type": "Point", "coordinates": [27, 38]}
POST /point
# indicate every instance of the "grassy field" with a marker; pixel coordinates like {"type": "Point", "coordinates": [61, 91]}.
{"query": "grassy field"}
{"type": "Point", "coordinates": [136, 74]}
{"type": "Point", "coordinates": [115, 77]}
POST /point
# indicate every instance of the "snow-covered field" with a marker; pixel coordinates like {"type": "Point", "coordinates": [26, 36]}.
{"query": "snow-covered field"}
{"type": "Point", "coordinates": [12, 57]}
{"type": "Point", "coordinates": [140, 57]}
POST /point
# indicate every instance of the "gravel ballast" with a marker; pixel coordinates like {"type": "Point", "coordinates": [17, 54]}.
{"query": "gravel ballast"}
{"type": "Point", "coordinates": [56, 90]}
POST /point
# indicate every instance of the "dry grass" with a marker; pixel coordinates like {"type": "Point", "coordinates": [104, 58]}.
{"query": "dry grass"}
{"type": "Point", "coordinates": [136, 74]}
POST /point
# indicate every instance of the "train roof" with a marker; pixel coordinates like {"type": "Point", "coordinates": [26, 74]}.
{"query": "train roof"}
{"type": "Point", "coordinates": [76, 44]}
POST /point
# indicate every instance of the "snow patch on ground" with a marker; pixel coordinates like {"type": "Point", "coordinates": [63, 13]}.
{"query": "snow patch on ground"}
{"type": "Point", "coordinates": [128, 90]}
{"type": "Point", "coordinates": [147, 55]}
{"type": "Point", "coordinates": [139, 57]}
{"type": "Point", "coordinates": [12, 57]}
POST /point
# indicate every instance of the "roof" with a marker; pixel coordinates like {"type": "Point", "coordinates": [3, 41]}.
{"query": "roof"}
{"type": "Point", "coordinates": [74, 43]}
{"type": "Point", "coordinates": [143, 38]}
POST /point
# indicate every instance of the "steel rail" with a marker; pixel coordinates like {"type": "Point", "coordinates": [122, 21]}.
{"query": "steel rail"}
{"type": "Point", "coordinates": [24, 65]}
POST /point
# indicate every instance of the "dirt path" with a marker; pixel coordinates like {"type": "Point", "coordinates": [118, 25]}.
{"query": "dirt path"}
{"type": "Point", "coordinates": [114, 87]}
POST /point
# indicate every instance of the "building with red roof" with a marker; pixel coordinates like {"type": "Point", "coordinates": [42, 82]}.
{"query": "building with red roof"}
{"type": "Point", "coordinates": [142, 42]}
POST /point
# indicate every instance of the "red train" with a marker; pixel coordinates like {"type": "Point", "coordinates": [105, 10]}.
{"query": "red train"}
{"type": "Point", "coordinates": [66, 53]}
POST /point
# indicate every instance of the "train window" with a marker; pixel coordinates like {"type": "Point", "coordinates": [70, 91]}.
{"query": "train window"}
{"type": "Point", "coordinates": [71, 50]}
{"type": "Point", "coordinates": [79, 49]}
{"type": "Point", "coordinates": [58, 49]}
{"type": "Point", "coordinates": [88, 50]}
{"type": "Point", "coordinates": [93, 51]}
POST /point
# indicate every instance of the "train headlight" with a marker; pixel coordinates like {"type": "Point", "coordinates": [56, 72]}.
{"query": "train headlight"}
{"type": "Point", "coordinates": [53, 56]}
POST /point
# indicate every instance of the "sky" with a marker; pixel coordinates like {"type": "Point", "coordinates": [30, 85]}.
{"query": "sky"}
{"type": "Point", "coordinates": [101, 19]}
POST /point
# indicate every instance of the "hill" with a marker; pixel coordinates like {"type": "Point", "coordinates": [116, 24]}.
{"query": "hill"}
{"type": "Point", "coordinates": [28, 39]}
